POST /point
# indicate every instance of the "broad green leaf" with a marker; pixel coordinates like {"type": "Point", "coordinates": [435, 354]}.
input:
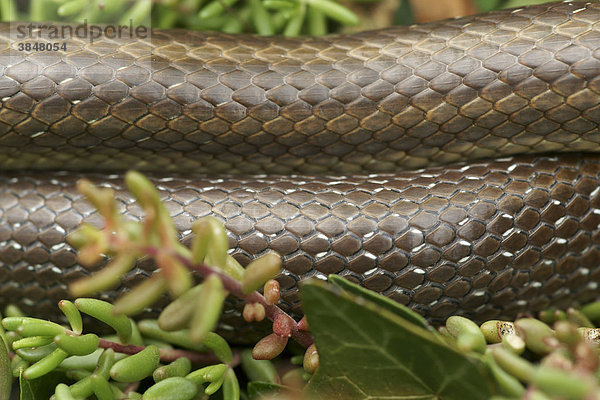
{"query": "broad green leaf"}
{"type": "Point", "coordinates": [258, 389]}
{"type": "Point", "coordinates": [384, 302]}
{"type": "Point", "coordinates": [368, 352]}
{"type": "Point", "coordinates": [5, 372]}
{"type": "Point", "coordinates": [40, 388]}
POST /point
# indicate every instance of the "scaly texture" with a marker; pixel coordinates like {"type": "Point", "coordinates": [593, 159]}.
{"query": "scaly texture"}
{"type": "Point", "coordinates": [503, 83]}
{"type": "Point", "coordinates": [484, 240]}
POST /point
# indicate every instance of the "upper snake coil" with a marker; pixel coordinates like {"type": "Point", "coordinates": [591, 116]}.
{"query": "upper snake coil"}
{"type": "Point", "coordinates": [327, 124]}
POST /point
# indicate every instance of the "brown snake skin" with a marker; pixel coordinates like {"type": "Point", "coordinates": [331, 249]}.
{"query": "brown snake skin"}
{"type": "Point", "coordinates": [485, 240]}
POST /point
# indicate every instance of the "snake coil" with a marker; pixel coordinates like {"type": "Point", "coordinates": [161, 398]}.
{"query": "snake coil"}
{"type": "Point", "coordinates": [300, 146]}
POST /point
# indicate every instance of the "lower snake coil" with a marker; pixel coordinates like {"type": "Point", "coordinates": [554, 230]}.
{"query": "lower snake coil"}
{"type": "Point", "coordinates": [304, 145]}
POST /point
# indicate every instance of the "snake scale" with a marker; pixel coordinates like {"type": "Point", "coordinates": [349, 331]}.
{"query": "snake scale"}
{"type": "Point", "coordinates": [304, 146]}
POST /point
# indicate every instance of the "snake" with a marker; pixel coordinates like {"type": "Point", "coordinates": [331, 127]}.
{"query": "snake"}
{"type": "Point", "coordinates": [450, 166]}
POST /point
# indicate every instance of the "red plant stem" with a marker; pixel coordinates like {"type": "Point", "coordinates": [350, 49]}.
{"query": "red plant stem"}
{"type": "Point", "coordinates": [235, 288]}
{"type": "Point", "coordinates": [166, 355]}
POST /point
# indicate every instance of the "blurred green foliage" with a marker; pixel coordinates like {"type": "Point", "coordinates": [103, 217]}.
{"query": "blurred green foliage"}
{"type": "Point", "coordinates": [264, 17]}
{"type": "Point", "coordinates": [488, 5]}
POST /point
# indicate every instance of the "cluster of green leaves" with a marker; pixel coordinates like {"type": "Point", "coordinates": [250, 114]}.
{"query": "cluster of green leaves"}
{"type": "Point", "coordinates": [264, 17]}
{"type": "Point", "coordinates": [371, 347]}
{"type": "Point", "coordinates": [196, 308]}
{"type": "Point", "coordinates": [95, 11]}
{"type": "Point", "coordinates": [107, 367]}
{"type": "Point", "coordinates": [47, 356]}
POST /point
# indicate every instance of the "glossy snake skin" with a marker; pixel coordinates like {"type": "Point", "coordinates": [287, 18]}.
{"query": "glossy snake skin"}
{"type": "Point", "coordinates": [329, 124]}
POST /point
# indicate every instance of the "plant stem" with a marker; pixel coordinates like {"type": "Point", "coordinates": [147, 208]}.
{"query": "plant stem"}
{"type": "Point", "coordinates": [235, 288]}
{"type": "Point", "coordinates": [166, 355]}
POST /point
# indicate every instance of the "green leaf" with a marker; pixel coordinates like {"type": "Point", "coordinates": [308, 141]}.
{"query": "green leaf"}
{"type": "Point", "coordinates": [5, 371]}
{"type": "Point", "coordinates": [487, 5]}
{"type": "Point", "coordinates": [335, 11]}
{"type": "Point", "coordinates": [522, 3]}
{"type": "Point", "coordinates": [390, 305]}
{"type": "Point", "coordinates": [404, 14]}
{"type": "Point", "coordinates": [366, 351]}
{"type": "Point", "coordinates": [257, 389]}
{"type": "Point", "coordinates": [40, 388]}
{"type": "Point", "coordinates": [258, 370]}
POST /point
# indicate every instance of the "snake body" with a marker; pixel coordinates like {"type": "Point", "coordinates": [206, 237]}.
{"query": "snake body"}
{"type": "Point", "coordinates": [301, 146]}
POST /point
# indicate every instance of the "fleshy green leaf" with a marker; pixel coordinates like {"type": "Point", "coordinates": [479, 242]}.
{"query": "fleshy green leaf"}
{"type": "Point", "coordinates": [40, 388]}
{"type": "Point", "coordinates": [366, 351]}
{"type": "Point", "coordinates": [258, 370]}
{"type": "Point", "coordinates": [5, 371]}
